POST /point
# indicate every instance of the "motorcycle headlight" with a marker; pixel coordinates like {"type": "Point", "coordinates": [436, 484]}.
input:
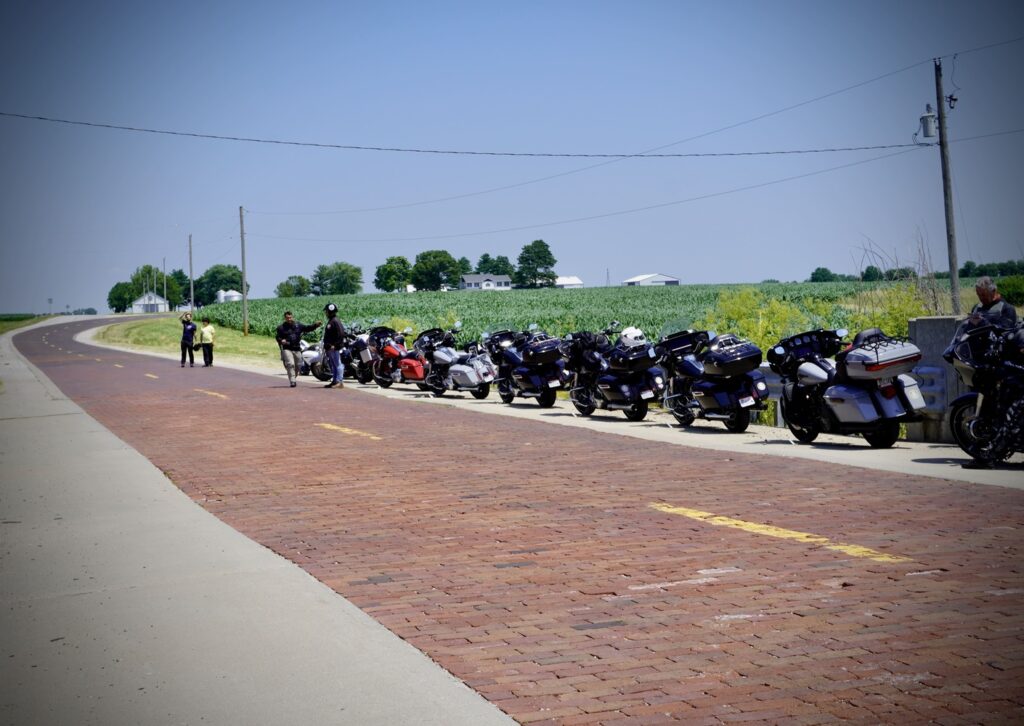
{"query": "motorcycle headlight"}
{"type": "Point", "coordinates": [761, 386]}
{"type": "Point", "coordinates": [659, 380]}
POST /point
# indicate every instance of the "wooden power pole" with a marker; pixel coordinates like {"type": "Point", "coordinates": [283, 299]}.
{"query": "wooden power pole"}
{"type": "Point", "coordinates": [191, 280]}
{"type": "Point", "coordinates": [947, 192]}
{"type": "Point", "coordinates": [245, 293]}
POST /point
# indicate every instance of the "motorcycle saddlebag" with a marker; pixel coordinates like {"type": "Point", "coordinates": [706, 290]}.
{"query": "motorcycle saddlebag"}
{"type": "Point", "coordinates": [464, 376]}
{"type": "Point", "coordinates": [731, 360]}
{"type": "Point", "coordinates": [543, 351]}
{"type": "Point", "coordinates": [412, 369]}
{"type": "Point", "coordinates": [886, 358]}
{"type": "Point", "coordinates": [637, 358]}
{"type": "Point", "coordinates": [851, 404]}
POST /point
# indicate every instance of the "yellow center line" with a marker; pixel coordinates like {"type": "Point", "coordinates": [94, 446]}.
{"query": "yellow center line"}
{"type": "Point", "coordinates": [210, 393]}
{"type": "Point", "coordinates": [350, 432]}
{"type": "Point", "coordinates": [150, 375]}
{"type": "Point", "coordinates": [771, 531]}
{"type": "Point", "coordinates": [98, 360]}
{"type": "Point", "coordinates": [118, 365]}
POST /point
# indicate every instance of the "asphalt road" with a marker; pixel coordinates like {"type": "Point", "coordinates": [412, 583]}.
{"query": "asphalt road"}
{"type": "Point", "coordinates": [579, 576]}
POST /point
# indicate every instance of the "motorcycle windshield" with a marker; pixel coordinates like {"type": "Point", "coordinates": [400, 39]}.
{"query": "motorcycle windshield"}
{"type": "Point", "coordinates": [496, 328]}
{"type": "Point", "coordinates": [676, 325]}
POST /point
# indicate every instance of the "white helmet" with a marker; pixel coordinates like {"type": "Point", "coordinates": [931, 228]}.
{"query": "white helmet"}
{"type": "Point", "coordinates": [632, 337]}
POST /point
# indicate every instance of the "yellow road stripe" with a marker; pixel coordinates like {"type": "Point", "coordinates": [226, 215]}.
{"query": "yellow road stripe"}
{"type": "Point", "coordinates": [98, 360]}
{"type": "Point", "coordinates": [350, 432]}
{"type": "Point", "coordinates": [210, 393]}
{"type": "Point", "coordinates": [770, 531]}
{"type": "Point", "coordinates": [150, 375]}
{"type": "Point", "coordinates": [118, 365]}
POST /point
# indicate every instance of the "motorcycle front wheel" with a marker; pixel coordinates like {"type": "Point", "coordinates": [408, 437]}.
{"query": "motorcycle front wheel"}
{"type": "Point", "coordinates": [803, 435]}
{"type": "Point", "coordinates": [682, 413]}
{"type": "Point", "coordinates": [970, 433]}
{"type": "Point", "coordinates": [887, 434]}
{"type": "Point", "coordinates": [506, 393]}
{"type": "Point", "coordinates": [481, 392]}
{"type": "Point", "coordinates": [584, 403]}
{"type": "Point", "coordinates": [320, 371]}
{"type": "Point", "coordinates": [739, 421]}
{"type": "Point", "coordinates": [364, 374]}
{"type": "Point", "coordinates": [638, 411]}
{"type": "Point", "coordinates": [378, 376]}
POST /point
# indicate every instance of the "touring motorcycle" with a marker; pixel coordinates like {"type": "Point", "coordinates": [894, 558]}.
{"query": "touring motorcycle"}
{"type": "Point", "coordinates": [621, 376]}
{"type": "Point", "coordinates": [988, 422]}
{"type": "Point", "coordinates": [865, 389]}
{"type": "Point", "coordinates": [710, 376]}
{"type": "Point", "coordinates": [391, 361]}
{"type": "Point", "coordinates": [529, 363]}
{"type": "Point", "coordinates": [450, 369]}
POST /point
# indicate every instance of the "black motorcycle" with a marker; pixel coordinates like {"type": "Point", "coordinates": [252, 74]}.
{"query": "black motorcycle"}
{"type": "Point", "coordinates": [714, 377]}
{"type": "Point", "coordinates": [621, 376]}
{"type": "Point", "coordinates": [529, 363]}
{"type": "Point", "coordinates": [988, 422]}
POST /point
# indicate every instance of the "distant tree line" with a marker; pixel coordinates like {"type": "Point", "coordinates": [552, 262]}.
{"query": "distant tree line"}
{"type": "Point", "coordinates": [431, 270]}
{"type": "Point", "coordinates": [873, 273]}
{"type": "Point", "coordinates": [148, 277]}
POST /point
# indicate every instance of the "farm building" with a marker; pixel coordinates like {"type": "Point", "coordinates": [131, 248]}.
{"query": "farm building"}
{"type": "Point", "coordinates": [568, 282]}
{"type": "Point", "coordinates": [650, 279]}
{"type": "Point", "coordinates": [149, 302]}
{"type": "Point", "coordinates": [228, 296]}
{"type": "Point", "coordinates": [485, 282]}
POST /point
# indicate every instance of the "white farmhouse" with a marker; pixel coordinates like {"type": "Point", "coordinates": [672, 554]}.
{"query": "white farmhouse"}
{"type": "Point", "coordinates": [228, 296]}
{"type": "Point", "coordinates": [149, 302]}
{"type": "Point", "coordinates": [568, 282]}
{"type": "Point", "coordinates": [485, 282]}
{"type": "Point", "coordinates": [650, 279]}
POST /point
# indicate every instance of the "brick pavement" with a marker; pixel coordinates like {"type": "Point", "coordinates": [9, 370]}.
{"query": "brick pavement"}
{"type": "Point", "coordinates": [526, 559]}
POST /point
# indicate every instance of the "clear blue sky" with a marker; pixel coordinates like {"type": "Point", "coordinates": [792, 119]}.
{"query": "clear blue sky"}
{"type": "Point", "coordinates": [83, 207]}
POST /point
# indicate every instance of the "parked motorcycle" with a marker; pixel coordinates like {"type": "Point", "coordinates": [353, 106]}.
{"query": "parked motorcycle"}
{"type": "Point", "coordinates": [449, 369]}
{"type": "Point", "coordinates": [620, 376]}
{"type": "Point", "coordinates": [314, 362]}
{"type": "Point", "coordinates": [709, 376]}
{"type": "Point", "coordinates": [356, 355]}
{"type": "Point", "coordinates": [529, 363]}
{"type": "Point", "coordinates": [391, 361]}
{"type": "Point", "coordinates": [988, 422]}
{"type": "Point", "coordinates": [864, 390]}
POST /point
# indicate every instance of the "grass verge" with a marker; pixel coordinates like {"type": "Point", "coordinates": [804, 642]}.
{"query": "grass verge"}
{"type": "Point", "coordinates": [9, 324]}
{"type": "Point", "coordinates": [164, 334]}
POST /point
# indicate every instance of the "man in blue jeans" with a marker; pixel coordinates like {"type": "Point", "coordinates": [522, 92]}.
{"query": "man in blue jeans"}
{"type": "Point", "coordinates": [334, 338]}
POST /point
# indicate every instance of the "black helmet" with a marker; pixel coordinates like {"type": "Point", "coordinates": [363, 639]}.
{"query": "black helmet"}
{"type": "Point", "coordinates": [331, 309]}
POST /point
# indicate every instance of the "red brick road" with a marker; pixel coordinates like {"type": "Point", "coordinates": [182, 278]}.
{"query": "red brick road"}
{"type": "Point", "coordinates": [525, 557]}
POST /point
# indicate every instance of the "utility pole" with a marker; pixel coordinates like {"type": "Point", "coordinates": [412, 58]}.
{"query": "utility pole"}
{"type": "Point", "coordinates": [191, 281]}
{"type": "Point", "coordinates": [245, 293]}
{"type": "Point", "coordinates": [947, 192]}
{"type": "Point", "coordinates": [165, 286]}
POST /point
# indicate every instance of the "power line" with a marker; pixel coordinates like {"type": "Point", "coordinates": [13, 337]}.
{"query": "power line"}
{"type": "Point", "coordinates": [634, 210]}
{"type": "Point", "coordinates": [455, 151]}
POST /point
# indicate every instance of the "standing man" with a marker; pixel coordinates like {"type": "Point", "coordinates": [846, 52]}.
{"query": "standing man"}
{"type": "Point", "coordinates": [188, 339]}
{"type": "Point", "coordinates": [289, 333]}
{"type": "Point", "coordinates": [206, 334]}
{"type": "Point", "coordinates": [334, 338]}
{"type": "Point", "coordinates": [991, 307]}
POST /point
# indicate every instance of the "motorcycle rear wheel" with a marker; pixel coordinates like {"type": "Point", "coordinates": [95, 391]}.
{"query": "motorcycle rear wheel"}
{"type": "Point", "coordinates": [887, 434]}
{"type": "Point", "coordinates": [320, 371]}
{"type": "Point", "coordinates": [739, 421]}
{"type": "Point", "coordinates": [482, 391]}
{"type": "Point", "coordinates": [547, 397]}
{"type": "Point", "coordinates": [638, 412]}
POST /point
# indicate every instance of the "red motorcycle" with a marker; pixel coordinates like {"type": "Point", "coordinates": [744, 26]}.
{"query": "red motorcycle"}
{"type": "Point", "coordinates": [392, 362]}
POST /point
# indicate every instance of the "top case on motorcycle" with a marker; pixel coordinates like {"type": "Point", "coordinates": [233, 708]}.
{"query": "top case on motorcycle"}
{"type": "Point", "coordinates": [731, 360]}
{"type": "Point", "coordinates": [542, 351]}
{"type": "Point", "coordinates": [637, 358]}
{"type": "Point", "coordinates": [877, 359]}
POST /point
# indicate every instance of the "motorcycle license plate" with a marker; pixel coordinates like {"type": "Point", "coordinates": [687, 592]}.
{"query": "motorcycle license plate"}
{"type": "Point", "coordinates": [554, 383]}
{"type": "Point", "coordinates": [746, 401]}
{"type": "Point", "coordinates": [366, 355]}
{"type": "Point", "coordinates": [487, 377]}
{"type": "Point", "coordinates": [646, 394]}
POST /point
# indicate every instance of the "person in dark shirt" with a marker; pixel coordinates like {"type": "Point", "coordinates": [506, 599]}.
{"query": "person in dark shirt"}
{"type": "Point", "coordinates": [289, 333]}
{"type": "Point", "coordinates": [334, 338]}
{"type": "Point", "coordinates": [188, 339]}
{"type": "Point", "coordinates": [991, 308]}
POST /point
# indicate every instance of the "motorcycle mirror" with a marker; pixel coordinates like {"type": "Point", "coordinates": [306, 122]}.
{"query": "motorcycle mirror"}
{"type": "Point", "coordinates": [842, 332]}
{"type": "Point", "coordinates": [779, 350]}
{"type": "Point", "coordinates": [532, 327]}
{"type": "Point", "coordinates": [712, 335]}
{"type": "Point", "coordinates": [407, 331]}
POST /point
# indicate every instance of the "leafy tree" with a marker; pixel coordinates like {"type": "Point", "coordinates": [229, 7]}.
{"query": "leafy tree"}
{"type": "Point", "coordinates": [84, 311]}
{"type": "Point", "coordinates": [465, 266]}
{"type": "Point", "coordinates": [536, 265]}
{"type": "Point", "coordinates": [483, 265]}
{"type": "Point", "coordinates": [871, 274]}
{"type": "Point", "coordinates": [181, 279]}
{"type": "Point", "coordinates": [218, 277]}
{"type": "Point", "coordinates": [339, 278]}
{"type": "Point", "coordinates": [294, 286]}
{"type": "Point", "coordinates": [435, 268]}
{"type": "Point", "coordinates": [503, 266]}
{"type": "Point", "coordinates": [900, 273]}
{"type": "Point", "coordinates": [970, 269]}
{"type": "Point", "coordinates": [393, 275]}
{"type": "Point", "coordinates": [1012, 289]}
{"type": "Point", "coordinates": [144, 278]}
{"type": "Point", "coordinates": [120, 297]}
{"type": "Point", "coordinates": [823, 274]}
